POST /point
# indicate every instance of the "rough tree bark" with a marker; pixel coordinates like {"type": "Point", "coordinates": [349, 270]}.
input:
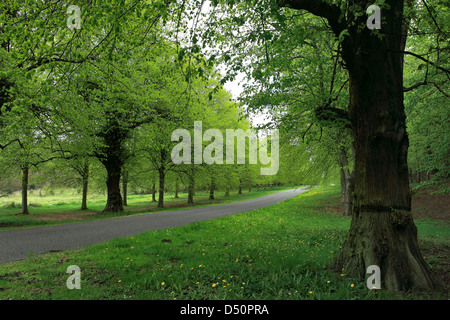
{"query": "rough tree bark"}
{"type": "Point", "coordinates": [114, 199]}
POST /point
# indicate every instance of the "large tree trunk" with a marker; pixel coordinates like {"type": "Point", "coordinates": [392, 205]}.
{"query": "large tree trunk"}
{"type": "Point", "coordinates": [382, 231]}
{"type": "Point", "coordinates": [24, 209]}
{"type": "Point", "coordinates": [113, 157]}
{"type": "Point", "coordinates": [114, 201]}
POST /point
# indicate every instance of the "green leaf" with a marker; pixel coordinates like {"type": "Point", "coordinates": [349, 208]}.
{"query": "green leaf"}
{"type": "Point", "coordinates": [343, 34]}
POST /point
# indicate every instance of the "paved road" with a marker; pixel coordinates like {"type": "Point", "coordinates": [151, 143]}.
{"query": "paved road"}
{"type": "Point", "coordinates": [19, 244]}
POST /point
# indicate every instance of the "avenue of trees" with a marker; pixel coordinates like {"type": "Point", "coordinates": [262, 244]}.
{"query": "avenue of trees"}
{"type": "Point", "coordinates": [366, 108]}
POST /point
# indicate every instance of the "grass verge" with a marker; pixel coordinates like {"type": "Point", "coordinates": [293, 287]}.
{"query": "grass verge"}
{"type": "Point", "coordinates": [279, 253]}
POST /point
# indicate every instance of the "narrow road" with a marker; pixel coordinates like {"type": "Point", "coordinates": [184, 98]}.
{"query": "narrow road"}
{"type": "Point", "coordinates": [21, 243]}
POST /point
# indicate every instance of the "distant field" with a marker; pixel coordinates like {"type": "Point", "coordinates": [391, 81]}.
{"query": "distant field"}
{"type": "Point", "coordinates": [64, 205]}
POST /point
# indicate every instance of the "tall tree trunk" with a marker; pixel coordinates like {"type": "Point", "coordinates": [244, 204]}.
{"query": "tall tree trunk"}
{"type": "Point", "coordinates": [342, 180]}
{"type": "Point", "coordinates": [85, 178]}
{"type": "Point", "coordinates": [191, 187]}
{"type": "Point", "coordinates": [125, 187]}
{"type": "Point", "coordinates": [114, 200]}
{"type": "Point", "coordinates": [25, 172]}
{"type": "Point", "coordinates": [113, 157]}
{"type": "Point", "coordinates": [162, 177]}
{"type": "Point", "coordinates": [382, 231]}
{"type": "Point", "coordinates": [176, 188]}
{"type": "Point", "coordinates": [212, 187]}
{"type": "Point", "coordinates": [240, 186]}
{"type": "Point", "coordinates": [154, 191]}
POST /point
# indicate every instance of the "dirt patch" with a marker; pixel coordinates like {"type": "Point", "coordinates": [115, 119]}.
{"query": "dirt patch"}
{"type": "Point", "coordinates": [425, 204]}
{"type": "Point", "coordinates": [334, 206]}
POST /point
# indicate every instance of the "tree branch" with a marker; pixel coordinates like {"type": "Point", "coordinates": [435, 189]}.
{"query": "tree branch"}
{"type": "Point", "coordinates": [423, 59]}
{"type": "Point", "coordinates": [423, 83]}
{"type": "Point", "coordinates": [12, 141]}
{"type": "Point", "coordinates": [319, 8]}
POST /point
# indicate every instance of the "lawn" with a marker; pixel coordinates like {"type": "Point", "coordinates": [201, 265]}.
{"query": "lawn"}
{"type": "Point", "coordinates": [278, 253]}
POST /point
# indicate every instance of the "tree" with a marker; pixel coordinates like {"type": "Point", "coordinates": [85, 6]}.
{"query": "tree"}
{"type": "Point", "coordinates": [156, 146]}
{"type": "Point", "coordinates": [382, 232]}
{"type": "Point", "coordinates": [37, 42]}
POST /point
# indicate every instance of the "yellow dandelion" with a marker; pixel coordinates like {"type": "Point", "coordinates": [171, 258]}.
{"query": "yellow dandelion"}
{"type": "Point", "coordinates": [163, 283]}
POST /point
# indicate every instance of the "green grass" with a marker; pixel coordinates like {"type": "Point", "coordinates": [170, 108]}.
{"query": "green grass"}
{"type": "Point", "coordinates": [64, 206]}
{"type": "Point", "coordinates": [278, 252]}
